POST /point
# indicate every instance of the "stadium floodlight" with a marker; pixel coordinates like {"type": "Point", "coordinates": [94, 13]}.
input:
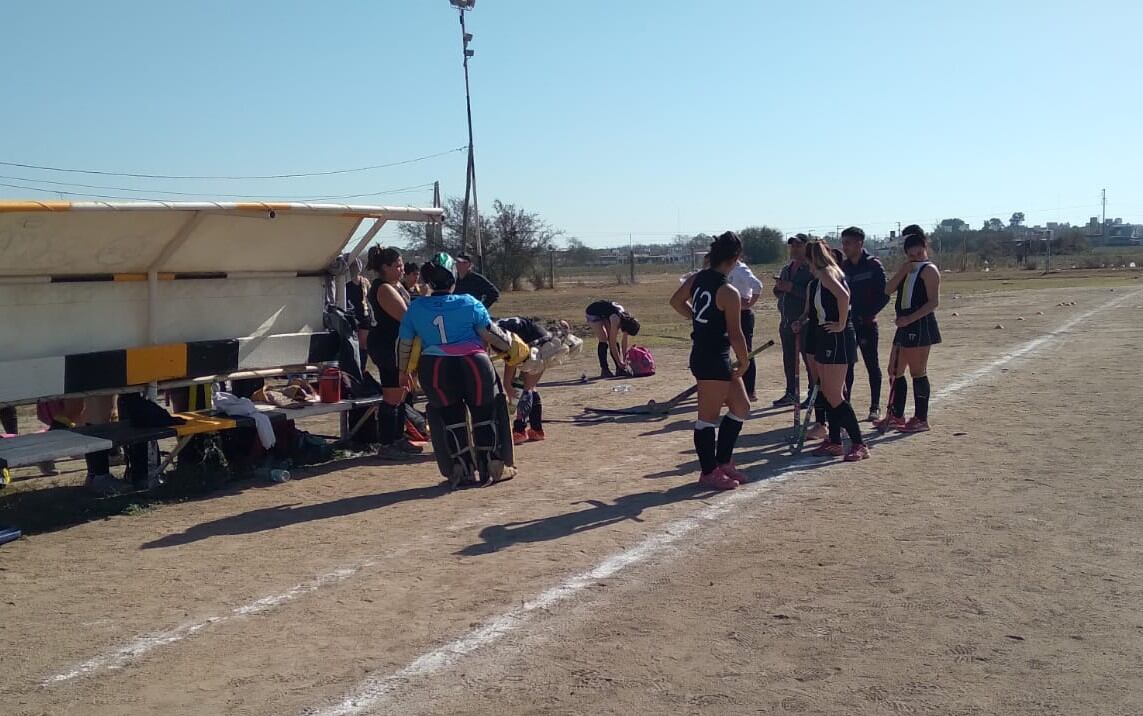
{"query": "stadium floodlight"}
{"type": "Point", "coordinates": [463, 4]}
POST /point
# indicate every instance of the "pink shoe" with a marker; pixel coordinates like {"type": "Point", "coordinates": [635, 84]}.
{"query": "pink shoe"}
{"type": "Point", "coordinates": [889, 422]}
{"type": "Point", "coordinates": [716, 480]}
{"type": "Point", "coordinates": [915, 425]}
{"type": "Point", "coordinates": [828, 449]}
{"type": "Point", "coordinates": [734, 473]}
{"type": "Point", "coordinates": [856, 453]}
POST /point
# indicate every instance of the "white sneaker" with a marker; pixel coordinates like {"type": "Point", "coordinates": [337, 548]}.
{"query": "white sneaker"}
{"type": "Point", "coordinates": [874, 415]}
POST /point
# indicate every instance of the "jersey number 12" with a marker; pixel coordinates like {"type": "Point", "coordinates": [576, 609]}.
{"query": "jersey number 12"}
{"type": "Point", "coordinates": [700, 303]}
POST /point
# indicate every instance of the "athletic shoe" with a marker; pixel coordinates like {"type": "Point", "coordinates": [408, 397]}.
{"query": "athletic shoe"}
{"type": "Point", "coordinates": [535, 436]}
{"type": "Point", "coordinates": [806, 405]}
{"type": "Point", "coordinates": [817, 431]}
{"type": "Point", "coordinates": [413, 434]}
{"type": "Point", "coordinates": [606, 373]}
{"type": "Point", "coordinates": [717, 480]}
{"type": "Point", "coordinates": [105, 485]}
{"type": "Point", "coordinates": [519, 438]}
{"type": "Point", "coordinates": [828, 449]}
{"type": "Point", "coordinates": [785, 400]}
{"type": "Point", "coordinates": [753, 397]}
{"type": "Point", "coordinates": [407, 447]}
{"type": "Point", "coordinates": [499, 472]}
{"type": "Point", "coordinates": [734, 473]}
{"type": "Point", "coordinates": [889, 422]}
{"type": "Point", "coordinates": [392, 452]}
{"type": "Point", "coordinates": [857, 452]}
{"type": "Point", "coordinates": [915, 425]}
{"type": "Point", "coordinates": [874, 415]}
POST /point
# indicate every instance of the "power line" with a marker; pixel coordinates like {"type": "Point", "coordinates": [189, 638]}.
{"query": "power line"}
{"type": "Point", "coordinates": [294, 175]}
{"type": "Point", "coordinates": [298, 197]}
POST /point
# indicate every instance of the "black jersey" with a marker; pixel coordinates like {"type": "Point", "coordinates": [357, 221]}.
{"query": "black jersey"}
{"type": "Point", "coordinates": [825, 303]}
{"type": "Point", "coordinates": [708, 327]}
{"type": "Point", "coordinates": [385, 326]}
{"type": "Point", "coordinates": [355, 298]}
{"type": "Point", "coordinates": [528, 330]}
{"type": "Point", "coordinates": [912, 293]}
{"type": "Point", "coordinates": [603, 309]}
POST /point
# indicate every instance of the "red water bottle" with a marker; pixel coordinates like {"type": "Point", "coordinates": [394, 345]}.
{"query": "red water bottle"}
{"type": "Point", "coordinates": [329, 385]}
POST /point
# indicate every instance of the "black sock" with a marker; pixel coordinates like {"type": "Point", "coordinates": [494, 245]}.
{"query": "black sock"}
{"type": "Point", "coordinates": [387, 431]}
{"type": "Point", "coordinates": [835, 424]}
{"type": "Point", "coordinates": [821, 407]}
{"type": "Point", "coordinates": [848, 420]}
{"type": "Point", "coordinates": [98, 463]}
{"type": "Point", "coordinates": [536, 416]}
{"type": "Point", "coordinates": [601, 353]}
{"type": "Point", "coordinates": [728, 431]}
{"type": "Point", "coordinates": [900, 393]}
{"type": "Point", "coordinates": [921, 397]}
{"type": "Point", "coordinates": [705, 446]}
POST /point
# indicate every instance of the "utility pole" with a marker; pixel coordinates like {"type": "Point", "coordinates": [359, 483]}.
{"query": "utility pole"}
{"type": "Point", "coordinates": [470, 176]}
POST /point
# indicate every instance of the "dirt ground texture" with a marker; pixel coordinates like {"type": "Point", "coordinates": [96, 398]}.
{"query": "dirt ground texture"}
{"type": "Point", "coordinates": [988, 567]}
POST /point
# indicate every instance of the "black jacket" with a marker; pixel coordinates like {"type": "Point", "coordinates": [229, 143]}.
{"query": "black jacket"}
{"type": "Point", "coordinates": [866, 281]}
{"type": "Point", "coordinates": [480, 288]}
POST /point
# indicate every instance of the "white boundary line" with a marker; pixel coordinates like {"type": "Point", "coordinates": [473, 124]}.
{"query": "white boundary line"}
{"type": "Point", "coordinates": [124, 655]}
{"type": "Point", "coordinates": [374, 689]}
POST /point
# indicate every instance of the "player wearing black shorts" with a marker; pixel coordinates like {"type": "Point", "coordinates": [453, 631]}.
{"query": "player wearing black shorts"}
{"type": "Point", "coordinates": [612, 325]}
{"type": "Point", "coordinates": [835, 348]}
{"type": "Point", "coordinates": [529, 423]}
{"type": "Point", "coordinates": [714, 308]}
{"type": "Point", "coordinates": [388, 307]}
{"type": "Point", "coordinates": [917, 285]}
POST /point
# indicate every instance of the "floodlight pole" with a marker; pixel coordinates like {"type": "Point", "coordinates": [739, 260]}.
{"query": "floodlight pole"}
{"type": "Point", "coordinates": [470, 177]}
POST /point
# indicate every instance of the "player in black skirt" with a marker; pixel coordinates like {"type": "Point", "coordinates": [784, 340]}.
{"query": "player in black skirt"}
{"type": "Point", "coordinates": [918, 287]}
{"type": "Point", "coordinates": [835, 349]}
{"type": "Point", "coordinates": [805, 332]}
{"type": "Point", "coordinates": [612, 325]}
{"type": "Point", "coordinates": [388, 307]}
{"type": "Point", "coordinates": [714, 308]}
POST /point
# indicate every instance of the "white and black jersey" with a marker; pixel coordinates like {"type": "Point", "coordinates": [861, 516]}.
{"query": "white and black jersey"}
{"type": "Point", "coordinates": [912, 294]}
{"type": "Point", "coordinates": [832, 348]}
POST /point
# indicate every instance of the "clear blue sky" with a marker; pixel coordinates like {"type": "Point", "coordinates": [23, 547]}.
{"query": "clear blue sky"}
{"type": "Point", "coordinates": [604, 116]}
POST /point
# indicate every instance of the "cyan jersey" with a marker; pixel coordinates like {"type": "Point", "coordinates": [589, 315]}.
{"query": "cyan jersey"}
{"type": "Point", "coordinates": [447, 325]}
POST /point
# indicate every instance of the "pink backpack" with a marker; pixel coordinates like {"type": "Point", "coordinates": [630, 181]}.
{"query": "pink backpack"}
{"type": "Point", "coordinates": [641, 361]}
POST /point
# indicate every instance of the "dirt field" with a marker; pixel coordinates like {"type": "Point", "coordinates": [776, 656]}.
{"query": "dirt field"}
{"type": "Point", "coordinates": [988, 567]}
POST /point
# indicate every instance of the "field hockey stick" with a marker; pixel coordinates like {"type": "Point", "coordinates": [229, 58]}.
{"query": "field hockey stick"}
{"type": "Point", "coordinates": [802, 428]}
{"type": "Point", "coordinates": [733, 366]}
{"type": "Point", "coordinates": [797, 378]}
{"type": "Point", "coordinates": [883, 426]}
{"type": "Point", "coordinates": [655, 408]}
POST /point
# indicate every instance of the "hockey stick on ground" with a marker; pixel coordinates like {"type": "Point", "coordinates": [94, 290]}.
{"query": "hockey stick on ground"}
{"type": "Point", "coordinates": [654, 408]}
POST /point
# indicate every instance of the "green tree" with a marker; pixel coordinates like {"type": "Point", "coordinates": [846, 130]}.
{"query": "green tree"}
{"type": "Point", "coordinates": [577, 252]}
{"type": "Point", "coordinates": [514, 240]}
{"type": "Point", "coordinates": [762, 244]}
{"type": "Point", "coordinates": [1016, 220]}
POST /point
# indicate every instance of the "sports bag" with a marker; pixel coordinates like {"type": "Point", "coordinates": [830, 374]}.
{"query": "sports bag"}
{"type": "Point", "coordinates": [640, 360]}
